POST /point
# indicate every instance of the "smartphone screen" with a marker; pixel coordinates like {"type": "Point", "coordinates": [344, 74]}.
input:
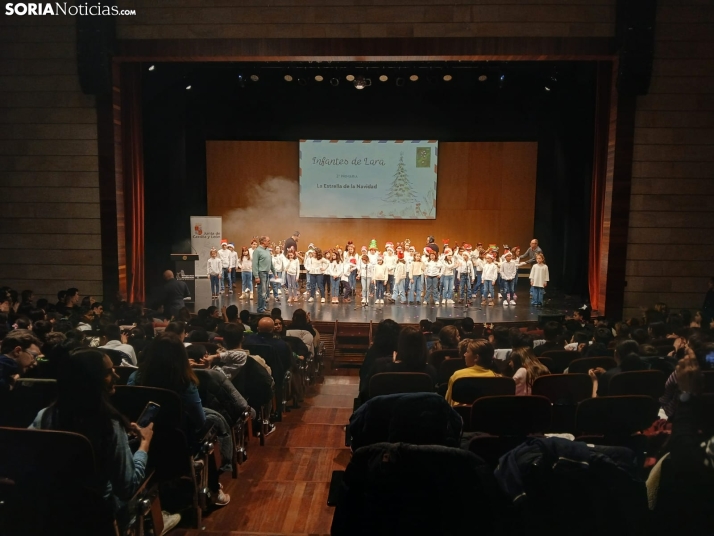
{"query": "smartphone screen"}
{"type": "Point", "coordinates": [710, 359]}
{"type": "Point", "coordinates": [148, 415]}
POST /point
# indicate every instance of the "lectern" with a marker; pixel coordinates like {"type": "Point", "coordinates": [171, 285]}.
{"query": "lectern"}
{"type": "Point", "coordinates": [185, 270]}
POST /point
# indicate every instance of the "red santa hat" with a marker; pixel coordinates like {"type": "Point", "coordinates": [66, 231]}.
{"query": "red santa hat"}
{"type": "Point", "coordinates": [447, 251]}
{"type": "Point", "coordinates": [445, 240]}
{"type": "Point", "coordinates": [389, 245]}
{"type": "Point", "coordinates": [468, 247]}
{"type": "Point", "coordinates": [380, 257]}
{"type": "Point", "coordinates": [364, 249]}
{"type": "Point", "coordinates": [224, 242]}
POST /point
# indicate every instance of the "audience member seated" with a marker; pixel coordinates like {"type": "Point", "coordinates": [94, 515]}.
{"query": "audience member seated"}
{"type": "Point", "coordinates": [523, 366]}
{"type": "Point", "coordinates": [113, 339]}
{"type": "Point", "coordinates": [600, 344]}
{"type": "Point", "coordinates": [301, 327]}
{"type": "Point", "coordinates": [468, 330]}
{"type": "Point", "coordinates": [166, 366]}
{"type": "Point", "coordinates": [178, 328]}
{"type": "Point", "coordinates": [627, 359]}
{"type": "Point", "coordinates": [265, 337]}
{"type": "Point", "coordinates": [410, 356]}
{"type": "Point", "coordinates": [85, 383]}
{"type": "Point", "coordinates": [19, 352]}
{"type": "Point", "coordinates": [279, 328]}
{"type": "Point", "coordinates": [449, 338]}
{"type": "Point", "coordinates": [552, 333]}
{"type": "Point", "coordinates": [479, 360]}
{"type": "Point", "coordinates": [383, 345]}
{"type": "Point", "coordinates": [136, 338]}
{"type": "Point", "coordinates": [245, 320]}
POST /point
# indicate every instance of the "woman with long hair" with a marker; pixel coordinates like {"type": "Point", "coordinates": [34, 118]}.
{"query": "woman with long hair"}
{"type": "Point", "coordinates": [166, 366]}
{"type": "Point", "coordinates": [383, 345]}
{"type": "Point", "coordinates": [523, 366]}
{"type": "Point", "coordinates": [85, 382]}
{"type": "Point", "coordinates": [449, 338]}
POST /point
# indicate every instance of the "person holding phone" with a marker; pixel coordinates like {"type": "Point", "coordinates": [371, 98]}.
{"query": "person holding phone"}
{"type": "Point", "coordinates": [85, 383]}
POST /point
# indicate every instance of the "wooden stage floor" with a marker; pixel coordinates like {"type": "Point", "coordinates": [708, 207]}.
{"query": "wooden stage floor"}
{"type": "Point", "coordinates": [403, 314]}
{"type": "Point", "coordinates": [282, 488]}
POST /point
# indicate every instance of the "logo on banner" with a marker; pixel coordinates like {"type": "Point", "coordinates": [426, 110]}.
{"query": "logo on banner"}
{"type": "Point", "coordinates": [198, 230]}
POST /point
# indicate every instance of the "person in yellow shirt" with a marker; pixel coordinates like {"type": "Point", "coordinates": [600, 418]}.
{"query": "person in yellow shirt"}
{"type": "Point", "coordinates": [479, 358]}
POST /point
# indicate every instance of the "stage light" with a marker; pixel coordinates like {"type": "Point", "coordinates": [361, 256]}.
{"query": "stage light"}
{"type": "Point", "coordinates": [482, 78]}
{"type": "Point", "coordinates": [383, 78]}
{"type": "Point", "coordinates": [334, 82]}
{"type": "Point", "coordinates": [414, 78]}
{"type": "Point", "coordinates": [188, 87]}
{"type": "Point", "coordinates": [302, 82]}
{"type": "Point", "coordinates": [361, 82]}
{"type": "Point", "coordinates": [400, 82]}
{"type": "Point", "coordinates": [318, 78]}
{"type": "Point", "coordinates": [546, 88]}
{"type": "Point", "coordinates": [241, 80]}
{"type": "Point", "coordinates": [288, 78]}
{"type": "Point", "coordinates": [349, 77]}
{"type": "Point", "coordinates": [152, 67]}
{"type": "Point", "coordinates": [254, 77]}
{"type": "Point", "coordinates": [501, 80]}
{"type": "Point", "coordinates": [448, 78]}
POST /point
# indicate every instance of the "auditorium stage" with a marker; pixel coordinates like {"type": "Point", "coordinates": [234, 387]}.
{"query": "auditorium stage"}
{"type": "Point", "coordinates": [403, 314]}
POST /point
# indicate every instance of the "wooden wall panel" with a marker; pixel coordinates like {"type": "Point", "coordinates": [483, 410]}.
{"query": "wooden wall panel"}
{"type": "Point", "coordinates": [49, 196]}
{"type": "Point", "coordinates": [672, 198]}
{"type": "Point", "coordinates": [485, 193]}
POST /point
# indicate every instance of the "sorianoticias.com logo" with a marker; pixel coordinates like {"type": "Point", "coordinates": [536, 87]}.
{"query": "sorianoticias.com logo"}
{"type": "Point", "coordinates": [63, 8]}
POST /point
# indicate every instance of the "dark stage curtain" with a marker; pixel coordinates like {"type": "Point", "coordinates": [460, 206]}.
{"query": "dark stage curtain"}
{"type": "Point", "coordinates": [133, 168]}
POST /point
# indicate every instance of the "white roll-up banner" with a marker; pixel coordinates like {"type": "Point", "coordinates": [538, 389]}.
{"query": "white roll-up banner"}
{"type": "Point", "coordinates": [206, 233]}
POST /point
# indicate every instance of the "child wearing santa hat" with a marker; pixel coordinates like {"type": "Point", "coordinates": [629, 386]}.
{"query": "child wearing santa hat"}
{"type": "Point", "coordinates": [432, 271]}
{"type": "Point", "coordinates": [292, 273]}
{"type": "Point", "coordinates": [232, 264]}
{"type": "Point", "coordinates": [349, 271]}
{"type": "Point", "coordinates": [390, 261]}
{"type": "Point", "coordinates": [508, 272]}
{"type": "Point", "coordinates": [465, 272]}
{"type": "Point", "coordinates": [416, 275]}
{"type": "Point", "coordinates": [224, 254]}
{"type": "Point", "coordinates": [447, 277]}
{"type": "Point", "coordinates": [246, 273]}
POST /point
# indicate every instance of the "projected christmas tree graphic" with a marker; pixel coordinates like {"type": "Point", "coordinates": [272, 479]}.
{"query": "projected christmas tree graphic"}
{"type": "Point", "coordinates": [401, 191]}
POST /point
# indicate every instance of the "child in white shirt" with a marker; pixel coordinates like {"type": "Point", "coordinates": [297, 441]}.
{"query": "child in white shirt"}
{"type": "Point", "coordinates": [214, 269]}
{"type": "Point", "coordinates": [246, 273]}
{"type": "Point", "coordinates": [432, 269]}
{"type": "Point", "coordinates": [381, 274]}
{"type": "Point", "coordinates": [539, 280]}
{"type": "Point", "coordinates": [400, 277]}
{"type": "Point", "coordinates": [466, 277]}
{"type": "Point", "coordinates": [292, 274]}
{"type": "Point", "coordinates": [490, 274]}
{"type": "Point", "coordinates": [366, 272]}
{"type": "Point", "coordinates": [509, 277]}
{"type": "Point", "coordinates": [335, 271]}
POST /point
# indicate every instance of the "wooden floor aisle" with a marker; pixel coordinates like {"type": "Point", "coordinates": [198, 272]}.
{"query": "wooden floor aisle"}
{"type": "Point", "coordinates": [282, 488]}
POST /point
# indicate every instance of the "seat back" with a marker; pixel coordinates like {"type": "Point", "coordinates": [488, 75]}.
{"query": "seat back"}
{"type": "Point", "coordinates": [27, 398]}
{"type": "Point", "coordinates": [437, 357]}
{"type": "Point", "coordinates": [548, 362]}
{"type": "Point", "coordinates": [169, 446]}
{"type": "Point", "coordinates": [615, 415]}
{"type": "Point", "coordinates": [511, 415]}
{"type": "Point", "coordinates": [708, 381]}
{"type": "Point", "coordinates": [561, 359]}
{"type": "Point", "coordinates": [124, 373]}
{"type": "Point", "coordinates": [352, 340]}
{"type": "Point", "coordinates": [563, 389]}
{"type": "Point", "coordinates": [271, 358]}
{"type": "Point", "coordinates": [447, 368]}
{"type": "Point", "coordinates": [468, 390]}
{"type": "Point", "coordinates": [641, 382]}
{"type": "Point", "coordinates": [584, 364]}
{"type": "Point", "coordinates": [390, 383]}
{"type": "Point", "coordinates": [43, 477]}
{"type": "Point", "coordinates": [305, 336]}
{"type": "Point", "coordinates": [116, 356]}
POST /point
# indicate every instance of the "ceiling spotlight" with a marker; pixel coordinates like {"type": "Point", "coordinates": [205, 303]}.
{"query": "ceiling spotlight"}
{"type": "Point", "coordinates": [302, 81]}
{"type": "Point", "coordinates": [413, 78]}
{"type": "Point", "coordinates": [241, 80]}
{"type": "Point", "coordinates": [501, 80]}
{"type": "Point", "coordinates": [448, 78]}
{"type": "Point", "coordinates": [254, 77]}
{"type": "Point", "coordinates": [288, 78]}
{"type": "Point", "coordinates": [383, 78]}
{"type": "Point", "coordinates": [361, 82]}
{"type": "Point", "coordinates": [349, 77]}
{"type": "Point", "coordinates": [400, 82]}
{"type": "Point", "coordinates": [482, 78]}
{"type": "Point", "coordinates": [546, 88]}
{"type": "Point", "coordinates": [334, 82]}
{"type": "Point", "coordinates": [188, 87]}
{"type": "Point", "coordinates": [318, 78]}
{"type": "Point", "coordinates": [152, 67]}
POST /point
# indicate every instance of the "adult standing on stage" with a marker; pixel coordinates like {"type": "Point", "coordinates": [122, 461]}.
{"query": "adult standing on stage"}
{"type": "Point", "coordinates": [531, 252]}
{"type": "Point", "coordinates": [292, 243]}
{"type": "Point", "coordinates": [262, 266]}
{"type": "Point", "coordinates": [432, 245]}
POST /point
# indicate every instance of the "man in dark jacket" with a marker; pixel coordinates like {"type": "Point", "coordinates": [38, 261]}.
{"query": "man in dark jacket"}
{"type": "Point", "coordinates": [173, 294]}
